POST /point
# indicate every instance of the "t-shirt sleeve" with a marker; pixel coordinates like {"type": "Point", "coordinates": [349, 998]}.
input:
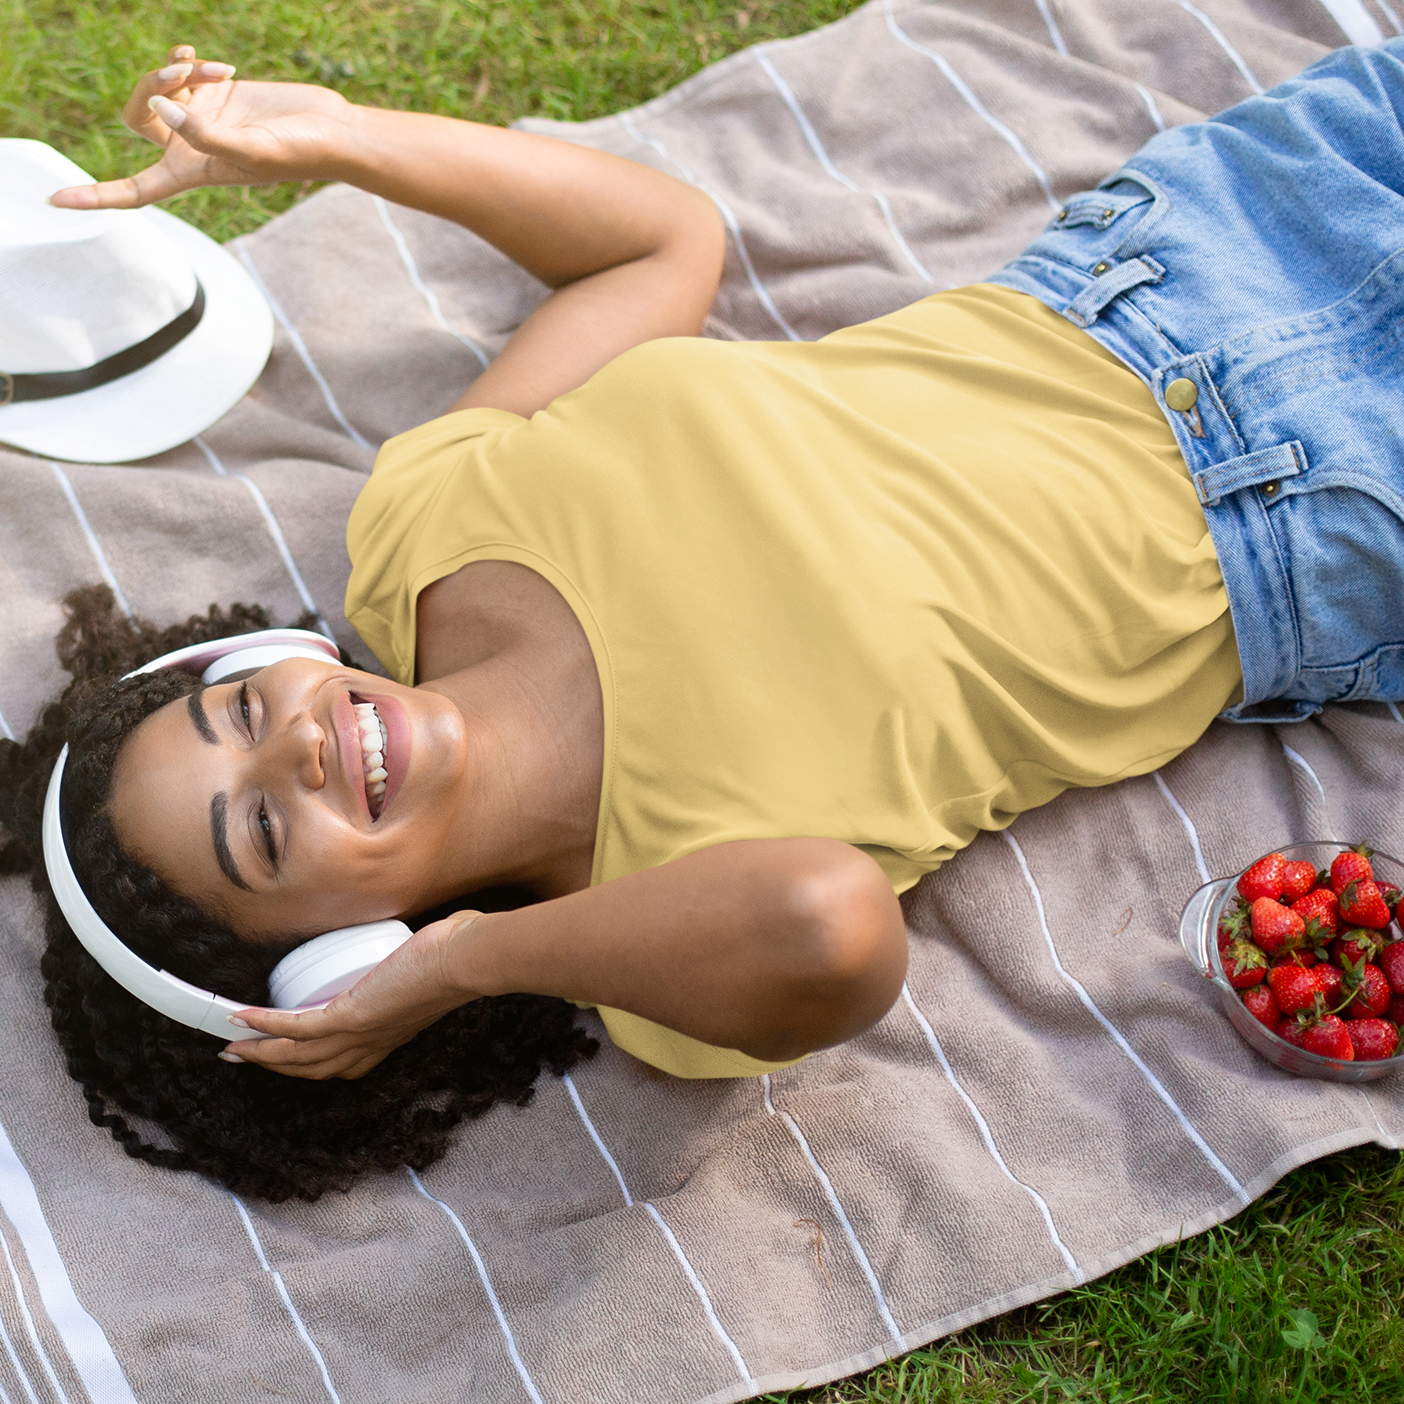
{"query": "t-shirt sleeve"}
{"type": "Point", "coordinates": [387, 526]}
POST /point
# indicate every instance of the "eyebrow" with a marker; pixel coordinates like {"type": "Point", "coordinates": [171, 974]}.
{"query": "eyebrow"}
{"type": "Point", "coordinates": [219, 829]}
{"type": "Point", "coordinates": [200, 717]}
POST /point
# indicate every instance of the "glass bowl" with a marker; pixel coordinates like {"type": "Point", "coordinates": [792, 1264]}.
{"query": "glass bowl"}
{"type": "Point", "coordinates": [1199, 924]}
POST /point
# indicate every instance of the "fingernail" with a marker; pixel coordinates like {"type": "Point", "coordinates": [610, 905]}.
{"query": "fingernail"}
{"type": "Point", "coordinates": [237, 1022]}
{"type": "Point", "coordinates": [217, 70]}
{"type": "Point", "coordinates": [176, 70]}
{"type": "Point", "coordinates": [229, 1057]}
{"type": "Point", "coordinates": [171, 113]}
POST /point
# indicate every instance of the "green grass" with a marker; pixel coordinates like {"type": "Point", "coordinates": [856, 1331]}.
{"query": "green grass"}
{"type": "Point", "coordinates": [66, 68]}
{"type": "Point", "coordinates": [1211, 1319]}
{"type": "Point", "coordinates": [1204, 1321]}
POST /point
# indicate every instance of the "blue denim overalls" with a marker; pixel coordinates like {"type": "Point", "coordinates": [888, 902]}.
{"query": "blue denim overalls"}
{"type": "Point", "coordinates": [1251, 270]}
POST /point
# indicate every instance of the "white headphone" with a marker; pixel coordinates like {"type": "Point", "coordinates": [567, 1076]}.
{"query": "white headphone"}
{"type": "Point", "coordinates": [309, 975]}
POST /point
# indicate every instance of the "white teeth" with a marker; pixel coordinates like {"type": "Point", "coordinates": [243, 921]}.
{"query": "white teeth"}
{"type": "Point", "coordinates": [373, 745]}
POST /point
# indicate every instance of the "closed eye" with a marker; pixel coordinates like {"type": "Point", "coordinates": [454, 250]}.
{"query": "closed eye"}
{"type": "Point", "coordinates": [267, 829]}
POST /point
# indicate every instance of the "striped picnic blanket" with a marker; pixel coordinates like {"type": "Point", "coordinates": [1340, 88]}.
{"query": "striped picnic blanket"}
{"type": "Point", "coordinates": [1047, 1100]}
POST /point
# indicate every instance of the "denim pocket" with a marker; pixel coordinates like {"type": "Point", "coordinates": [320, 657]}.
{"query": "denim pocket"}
{"type": "Point", "coordinates": [1100, 209]}
{"type": "Point", "coordinates": [1318, 538]}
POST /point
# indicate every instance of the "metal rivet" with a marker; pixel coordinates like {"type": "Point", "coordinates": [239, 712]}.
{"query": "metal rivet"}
{"type": "Point", "coordinates": [1099, 268]}
{"type": "Point", "coordinates": [1108, 214]}
{"type": "Point", "coordinates": [1062, 216]}
{"type": "Point", "coordinates": [1181, 394]}
{"type": "Point", "coordinates": [1270, 489]}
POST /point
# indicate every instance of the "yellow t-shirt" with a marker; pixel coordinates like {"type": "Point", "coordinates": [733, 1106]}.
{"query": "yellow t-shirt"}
{"type": "Point", "coordinates": [893, 587]}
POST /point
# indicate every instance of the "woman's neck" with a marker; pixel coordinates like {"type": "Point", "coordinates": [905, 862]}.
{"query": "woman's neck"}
{"type": "Point", "coordinates": [500, 642]}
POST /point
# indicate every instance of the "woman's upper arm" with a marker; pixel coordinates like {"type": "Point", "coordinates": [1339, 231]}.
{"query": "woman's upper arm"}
{"type": "Point", "coordinates": [584, 324]}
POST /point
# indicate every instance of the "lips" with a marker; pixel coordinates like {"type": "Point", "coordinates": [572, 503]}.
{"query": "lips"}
{"type": "Point", "coordinates": [395, 724]}
{"type": "Point", "coordinates": [348, 735]}
{"type": "Point", "coordinates": [374, 744]}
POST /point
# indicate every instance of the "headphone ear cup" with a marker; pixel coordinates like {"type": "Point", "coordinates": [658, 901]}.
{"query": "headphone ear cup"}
{"type": "Point", "coordinates": [322, 968]}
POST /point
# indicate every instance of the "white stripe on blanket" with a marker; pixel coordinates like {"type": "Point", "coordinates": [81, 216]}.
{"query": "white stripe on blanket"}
{"type": "Point", "coordinates": [84, 1340]}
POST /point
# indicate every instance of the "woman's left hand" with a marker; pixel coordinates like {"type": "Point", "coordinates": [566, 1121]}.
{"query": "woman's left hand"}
{"type": "Point", "coordinates": [404, 994]}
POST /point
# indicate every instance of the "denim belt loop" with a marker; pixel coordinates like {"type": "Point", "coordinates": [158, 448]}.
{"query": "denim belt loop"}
{"type": "Point", "coordinates": [1278, 712]}
{"type": "Point", "coordinates": [1265, 468]}
{"type": "Point", "coordinates": [1087, 306]}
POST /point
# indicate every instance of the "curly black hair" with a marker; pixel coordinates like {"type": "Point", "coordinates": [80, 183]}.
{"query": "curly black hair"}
{"type": "Point", "coordinates": [256, 1132]}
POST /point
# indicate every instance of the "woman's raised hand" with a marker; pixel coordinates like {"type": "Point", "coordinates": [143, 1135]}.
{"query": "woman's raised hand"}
{"type": "Point", "coordinates": [217, 132]}
{"type": "Point", "coordinates": [404, 994]}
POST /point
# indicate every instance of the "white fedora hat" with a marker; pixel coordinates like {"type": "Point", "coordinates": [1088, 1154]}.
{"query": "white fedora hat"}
{"type": "Point", "coordinates": [122, 332]}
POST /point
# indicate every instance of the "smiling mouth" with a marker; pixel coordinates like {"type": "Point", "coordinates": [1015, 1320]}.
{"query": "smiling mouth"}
{"type": "Point", "coordinates": [374, 739]}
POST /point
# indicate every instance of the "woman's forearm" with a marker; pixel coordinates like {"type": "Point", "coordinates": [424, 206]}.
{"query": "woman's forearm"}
{"type": "Point", "coordinates": [776, 947]}
{"type": "Point", "coordinates": [559, 210]}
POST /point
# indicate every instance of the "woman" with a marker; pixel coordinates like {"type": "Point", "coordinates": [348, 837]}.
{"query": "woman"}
{"type": "Point", "coordinates": [714, 648]}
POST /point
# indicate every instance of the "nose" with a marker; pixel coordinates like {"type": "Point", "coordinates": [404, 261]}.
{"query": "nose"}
{"type": "Point", "coordinates": [298, 749]}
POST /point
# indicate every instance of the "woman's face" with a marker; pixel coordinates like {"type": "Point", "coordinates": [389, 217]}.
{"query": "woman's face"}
{"type": "Point", "coordinates": [251, 798]}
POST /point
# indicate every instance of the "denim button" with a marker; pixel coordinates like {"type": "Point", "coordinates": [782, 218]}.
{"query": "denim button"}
{"type": "Point", "coordinates": [1181, 394]}
{"type": "Point", "coordinates": [1099, 268]}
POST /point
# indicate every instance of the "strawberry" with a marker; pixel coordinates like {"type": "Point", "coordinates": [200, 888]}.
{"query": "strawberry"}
{"type": "Point", "coordinates": [1372, 993]}
{"type": "Point", "coordinates": [1391, 961]}
{"type": "Point", "coordinates": [1233, 924]}
{"type": "Point", "coordinates": [1297, 880]}
{"type": "Point", "coordinates": [1304, 957]}
{"type": "Point", "coordinates": [1331, 981]}
{"type": "Point", "coordinates": [1293, 1032]}
{"type": "Point", "coordinates": [1260, 1003]}
{"type": "Point", "coordinates": [1275, 928]}
{"type": "Point", "coordinates": [1244, 964]}
{"type": "Point", "coordinates": [1264, 878]}
{"type": "Point", "coordinates": [1330, 1038]}
{"type": "Point", "coordinates": [1351, 866]}
{"type": "Point", "coordinates": [1355, 947]}
{"type": "Point", "coordinates": [1395, 1012]}
{"type": "Point", "coordinates": [1294, 988]}
{"type": "Point", "coordinates": [1373, 1039]}
{"type": "Point", "coordinates": [1362, 905]}
{"type": "Point", "coordinates": [1318, 906]}
{"type": "Point", "coordinates": [1391, 895]}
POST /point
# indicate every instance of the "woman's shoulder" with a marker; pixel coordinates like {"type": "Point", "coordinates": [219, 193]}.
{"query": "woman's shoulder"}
{"type": "Point", "coordinates": [389, 526]}
{"type": "Point", "coordinates": [412, 470]}
{"type": "Point", "coordinates": [433, 447]}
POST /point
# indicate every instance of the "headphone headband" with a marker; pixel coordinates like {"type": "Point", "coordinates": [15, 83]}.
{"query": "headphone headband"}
{"type": "Point", "coordinates": [209, 658]}
{"type": "Point", "coordinates": [167, 993]}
